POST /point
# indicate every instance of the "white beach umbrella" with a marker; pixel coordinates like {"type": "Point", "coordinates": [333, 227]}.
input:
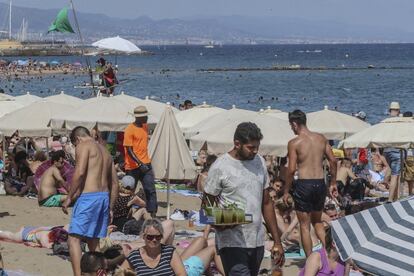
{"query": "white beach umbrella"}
{"type": "Point", "coordinates": [334, 125]}
{"type": "Point", "coordinates": [155, 108]}
{"type": "Point", "coordinates": [276, 135]}
{"type": "Point", "coordinates": [170, 156]}
{"type": "Point", "coordinates": [32, 120]}
{"type": "Point", "coordinates": [270, 110]}
{"type": "Point", "coordinates": [105, 113]}
{"type": "Point", "coordinates": [127, 98]}
{"type": "Point", "coordinates": [216, 121]}
{"type": "Point", "coordinates": [276, 113]}
{"type": "Point", "coordinates": [9, 106]}
{"type": "Point", "coordinates": [65, 99]}
{"type": "Point", "coordinates": [118, 44]}
{"type": "Point", "coordinates": [191, 117]}
{"type": "Point", "coordinates": [5, 97]}
{"type": "Point", "coordinates": [393, 132]}
{"type": "Point", "coordinates": [27, 98]}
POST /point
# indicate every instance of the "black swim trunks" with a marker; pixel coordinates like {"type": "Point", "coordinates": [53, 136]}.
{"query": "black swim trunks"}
{"type": "Point", "coordinates": [309, 195]}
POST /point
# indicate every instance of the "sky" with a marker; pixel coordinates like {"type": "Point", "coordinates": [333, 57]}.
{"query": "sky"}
{"type": "Point", "coordinates": [388, 13]}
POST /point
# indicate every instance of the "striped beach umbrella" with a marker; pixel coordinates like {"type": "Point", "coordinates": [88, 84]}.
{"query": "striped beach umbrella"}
{"type": "Point", "coordinates": [379, 240]}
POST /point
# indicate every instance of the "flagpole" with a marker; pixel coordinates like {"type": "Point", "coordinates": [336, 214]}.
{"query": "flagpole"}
{"type": "Point", "coordinates": [82, 45]}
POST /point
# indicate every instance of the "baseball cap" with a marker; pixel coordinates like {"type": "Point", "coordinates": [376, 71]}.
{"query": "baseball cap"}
{"type": "Point", "coordinates": [128, 182]}
{"type": "Point", "coordinates": [395, 106]}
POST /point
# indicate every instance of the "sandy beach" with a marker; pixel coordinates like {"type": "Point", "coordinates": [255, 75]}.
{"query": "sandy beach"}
{"type": "Point", "coordinates": [16, 212]}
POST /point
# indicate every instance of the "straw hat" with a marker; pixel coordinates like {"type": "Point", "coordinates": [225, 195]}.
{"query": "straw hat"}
{"type": "Point", "coordinates": [140, 111]}
{"type": "Point", "coordinates": [395, 106]}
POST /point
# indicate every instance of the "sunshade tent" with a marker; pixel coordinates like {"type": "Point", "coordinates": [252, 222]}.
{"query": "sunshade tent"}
{"type": "Point", "coordinates": [216, 121]}
{"type": "Point", "coordinates": [65, 99]}
{"type": "Point", "coordinates": [191, 117]}
{"type": "Point", "coordinates": [276, 135]}
{"type": "Point", "coordinates": [27, 99]}
{"type": "Point", "coordinates": [379, 240]}
{"type": "Point", "coordinates": [105, 113]}
{"type": "Point", "coordinates": [171, 158]}
{"type": "Point", "coordinates": [334, 125]}
{"type": "Point", "coordinates": [393, 132]}
{"type": "Point", "coordinates": [32, 120]}
{"type": "Point", "coordinates": [117, 44]}
{"type": "Point", "coordinates": [9, 106]}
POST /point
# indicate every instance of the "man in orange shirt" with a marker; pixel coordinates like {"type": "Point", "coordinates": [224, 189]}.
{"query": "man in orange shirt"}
{"type": "Point", "coordinates": [137, 161]}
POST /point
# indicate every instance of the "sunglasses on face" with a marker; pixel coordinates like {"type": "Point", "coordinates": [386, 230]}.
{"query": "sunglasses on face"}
{"type": "Point", "coordinates": [152, 237]}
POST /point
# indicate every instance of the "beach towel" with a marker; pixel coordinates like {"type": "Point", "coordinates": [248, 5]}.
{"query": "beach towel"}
{"type": "Point", "coordinates": [90, 215]}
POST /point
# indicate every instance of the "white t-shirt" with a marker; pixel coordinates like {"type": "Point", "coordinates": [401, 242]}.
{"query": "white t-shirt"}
{"type": "Point", "coordinates": [240, 182]}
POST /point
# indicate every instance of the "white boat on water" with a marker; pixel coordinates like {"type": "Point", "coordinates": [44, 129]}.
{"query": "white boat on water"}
{"type": "Point", "coordinates": [210, 45]}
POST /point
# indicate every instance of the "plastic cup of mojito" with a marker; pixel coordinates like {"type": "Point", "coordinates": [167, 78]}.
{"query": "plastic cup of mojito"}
{"type": "Point", "coordinates": [240, 215]}
{"type": "Point", "coordinates": [209, 211]}
{"type": "Point", "coordinates": [228, 216]}
{"type": "Point", "coordinates": [218, 215]}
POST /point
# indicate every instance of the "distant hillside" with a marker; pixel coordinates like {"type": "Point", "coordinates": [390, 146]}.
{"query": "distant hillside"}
{"type": "Point", "coordinates": [226, 29]}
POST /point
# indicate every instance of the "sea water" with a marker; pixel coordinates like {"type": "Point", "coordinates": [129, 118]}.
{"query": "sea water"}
{"type": "Point", "coordinates": [177, 73]}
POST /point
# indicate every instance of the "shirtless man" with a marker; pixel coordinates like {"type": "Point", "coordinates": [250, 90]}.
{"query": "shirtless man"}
{"type": "Point", "coordinates": [345, 173]}
{"type": "Point", "coordinates": [306, 153]}
{"type": "Point", "coordinates": [94, 188]}
{"type": "Point", "coordinates": [50, 182]}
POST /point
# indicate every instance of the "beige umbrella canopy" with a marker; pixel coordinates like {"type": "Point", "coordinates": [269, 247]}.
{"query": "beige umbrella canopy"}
{"type": "Point", "coordinates": [334, 125]}
{"type": "Point", "coordinates": [9, 106]}
{"type": "Point", "coordinates": [65, 99]}
{"type": "Point", "coordinates": [105, 113]}
{"type": "Point", "coordinates": [276, 135]}
{"type": "Point", "coordinates": [270, 110]}
{"type": "Point", "coordinates": [171, 158]}
{"type": "Point", "coordinates": [392, 132]}
{"type": "Point", "coordinates": [128, 99]}
{"type": "Point", "coordinates": [32, 120]}
{"type": "Point", "coordinates": [191, 117]}
{"type": "Point", "coordinates": [156, 108]}
{"type": "Point", "coordinates": [5, 97]}
{"type": "Point", "coordinates": [216, 121]}
{"type": "Point", "coordinates": [27, 99]}
{"type": "Point", "coordinates": [275, 113]}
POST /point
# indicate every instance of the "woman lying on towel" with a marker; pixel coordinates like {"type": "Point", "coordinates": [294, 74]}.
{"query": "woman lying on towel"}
{"type": "Point", "coordinates": [37, 236]}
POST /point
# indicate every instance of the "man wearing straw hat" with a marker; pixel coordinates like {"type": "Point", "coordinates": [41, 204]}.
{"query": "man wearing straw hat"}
{"type": "Point", "coordinates": [393, 157]}
{"type": "Point", "coordinates": [137, 160]}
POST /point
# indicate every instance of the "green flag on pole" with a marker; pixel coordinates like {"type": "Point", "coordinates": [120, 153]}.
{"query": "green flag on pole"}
{"type": "Point", "coordinates": [61, 23]}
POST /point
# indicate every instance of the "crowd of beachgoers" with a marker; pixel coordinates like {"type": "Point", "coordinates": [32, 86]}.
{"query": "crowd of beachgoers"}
{"type": "Point", "coordinates": [12, 69]}
{"type": "Point", "coordinates": [57, 171]}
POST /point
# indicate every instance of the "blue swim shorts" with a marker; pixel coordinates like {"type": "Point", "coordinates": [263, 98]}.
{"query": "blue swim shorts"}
{"type": "Point", "coordinates": [194, 266]}
{"type": "Point", "coordinates": [90, 215]}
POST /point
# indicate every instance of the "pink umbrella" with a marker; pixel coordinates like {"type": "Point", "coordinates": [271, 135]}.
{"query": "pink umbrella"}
{"type": "Point", "coordinates": [66, 171]}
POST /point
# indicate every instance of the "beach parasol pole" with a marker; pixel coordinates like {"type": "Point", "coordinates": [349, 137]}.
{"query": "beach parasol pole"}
{"type": "Point", "coordinates": [168, 199]}
{"type": "Point", "coordinates": [82, 45]}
